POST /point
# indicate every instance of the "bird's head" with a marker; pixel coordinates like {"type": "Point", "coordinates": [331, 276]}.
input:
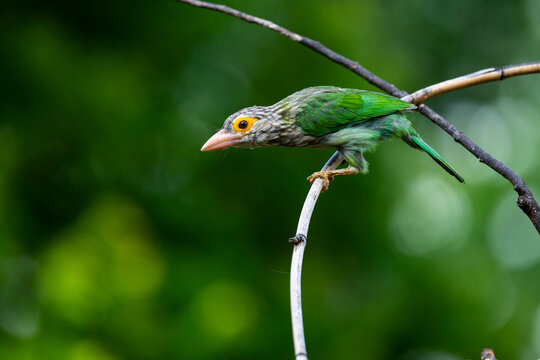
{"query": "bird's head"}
{"type": "Point", "coordinates": [250, 127]}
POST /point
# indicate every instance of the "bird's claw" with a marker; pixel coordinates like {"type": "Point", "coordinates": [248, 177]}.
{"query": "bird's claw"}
{"type": "Point", "coordinates": [325, 176]}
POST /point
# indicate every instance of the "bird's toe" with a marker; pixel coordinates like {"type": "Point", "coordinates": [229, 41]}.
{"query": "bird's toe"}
{"type": "Point", "coordinates": [325, 176]}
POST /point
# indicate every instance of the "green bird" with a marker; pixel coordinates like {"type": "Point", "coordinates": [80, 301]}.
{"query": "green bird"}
{"type": "Point", "coordinates": [349, 120]}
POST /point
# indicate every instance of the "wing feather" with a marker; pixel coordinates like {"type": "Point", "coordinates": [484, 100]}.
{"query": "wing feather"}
{"type": "Point", "coordinates": [328, 109]}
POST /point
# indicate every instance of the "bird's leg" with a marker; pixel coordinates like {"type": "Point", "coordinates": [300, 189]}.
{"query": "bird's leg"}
{"type": "Point", "coordinates": [328, 176]}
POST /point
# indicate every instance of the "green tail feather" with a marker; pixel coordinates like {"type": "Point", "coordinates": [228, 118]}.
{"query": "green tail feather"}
{"type": "Point", "coordinates": [435, 156]}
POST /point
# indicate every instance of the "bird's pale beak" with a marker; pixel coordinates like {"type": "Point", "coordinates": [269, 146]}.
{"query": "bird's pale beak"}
{"type": "Point", "coordinates": [221, 140]}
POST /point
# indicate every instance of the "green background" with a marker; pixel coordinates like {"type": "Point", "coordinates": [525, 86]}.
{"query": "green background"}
{"type": "Point", "coordinates": [119, 239]}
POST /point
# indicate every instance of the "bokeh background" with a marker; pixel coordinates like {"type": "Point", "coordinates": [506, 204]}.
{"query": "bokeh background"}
{"type": "Point", "coordinates": [119, 239]}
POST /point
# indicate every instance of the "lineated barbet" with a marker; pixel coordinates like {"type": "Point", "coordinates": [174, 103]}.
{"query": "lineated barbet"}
{"type": "Point", "coordinates": [352, 121]}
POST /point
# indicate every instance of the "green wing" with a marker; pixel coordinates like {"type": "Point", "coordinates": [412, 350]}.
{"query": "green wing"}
{"type": "Point", "coordinates": [325, 110]}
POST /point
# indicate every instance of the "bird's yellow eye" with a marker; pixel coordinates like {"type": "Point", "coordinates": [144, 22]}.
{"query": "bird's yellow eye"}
{"type": "Point", "coordinates": [243, 124]}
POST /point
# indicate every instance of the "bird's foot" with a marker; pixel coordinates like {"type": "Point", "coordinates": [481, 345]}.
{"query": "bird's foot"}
{"type": "Point", "coordinates": [326, 176]}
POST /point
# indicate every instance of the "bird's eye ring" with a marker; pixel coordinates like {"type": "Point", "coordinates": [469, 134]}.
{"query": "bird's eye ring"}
{"type": "Point", "coordinates": [243, 124]}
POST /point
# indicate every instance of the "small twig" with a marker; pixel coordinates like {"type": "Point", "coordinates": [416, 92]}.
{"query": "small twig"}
{"type": "Point", "coordinates": [300, 240]}
{"type": "Point", "coordinates": [526, 201]}
{"type": "Point", "coordinates": [487, 354]}
{"type": "Point", "coordinates": [476, 78]}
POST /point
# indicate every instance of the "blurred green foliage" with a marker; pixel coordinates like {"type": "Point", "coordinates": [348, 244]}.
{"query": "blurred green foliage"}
{"type": "Point", "coordinates": [119, 239]}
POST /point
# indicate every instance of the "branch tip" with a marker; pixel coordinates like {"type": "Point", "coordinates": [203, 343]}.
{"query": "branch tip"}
{"type": "Point", "coordinates": [487, 354]}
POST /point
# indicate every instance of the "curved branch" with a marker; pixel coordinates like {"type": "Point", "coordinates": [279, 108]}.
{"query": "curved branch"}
{"type": "Point", "coordinates": [526, 200]}
{"type": "Point", "coordinates": [298, 254]}
{"type": "Point", "coordinates": [476, 78]}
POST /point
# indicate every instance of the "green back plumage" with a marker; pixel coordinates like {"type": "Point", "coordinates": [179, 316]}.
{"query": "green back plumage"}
{"type": "Point", "coordinates": [326, 110]}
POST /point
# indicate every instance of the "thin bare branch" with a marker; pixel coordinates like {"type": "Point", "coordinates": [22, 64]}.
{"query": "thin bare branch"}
{"type": "Point", "coordinates": [300, 241]}
{"type": "Point", "coordinates": [476, 78]}
{"type": "Point", "coordinates": [246, 17]}
{"type": "Point", "coordinates": [526, 201]}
